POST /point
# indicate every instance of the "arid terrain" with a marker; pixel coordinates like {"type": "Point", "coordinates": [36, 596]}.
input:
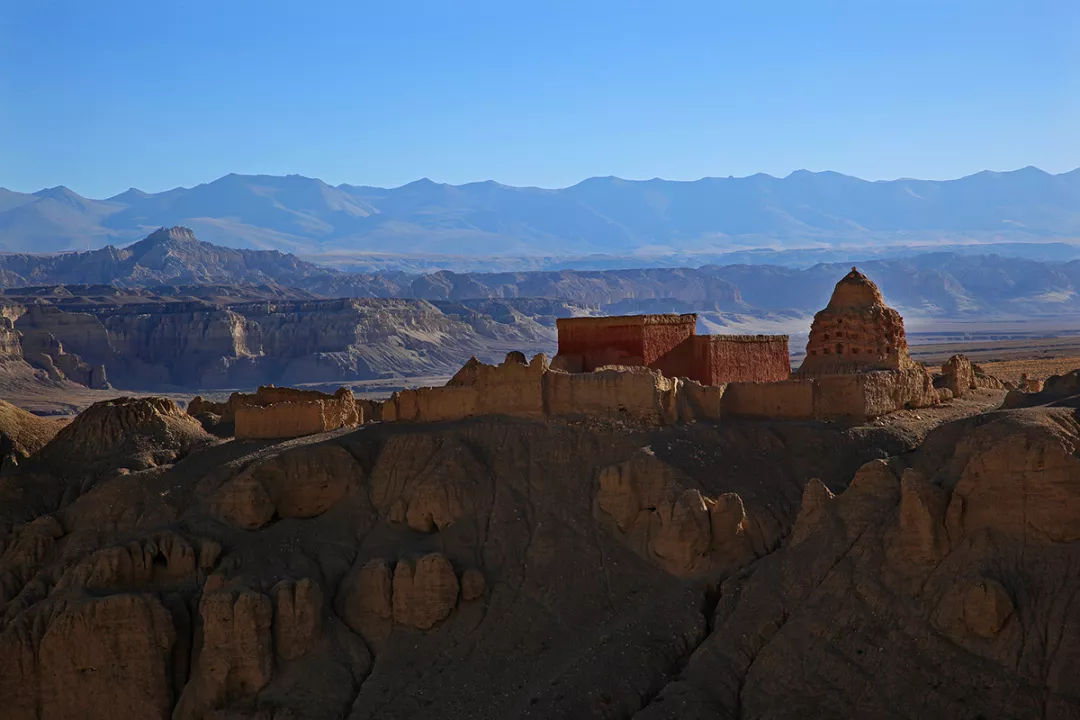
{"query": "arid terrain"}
{"type": "Point", "coordinates": [920, 565]}
{"type": "Point", "coordinates": [540, 361]}
{"type": "Point", "coordinates": [519, 540]}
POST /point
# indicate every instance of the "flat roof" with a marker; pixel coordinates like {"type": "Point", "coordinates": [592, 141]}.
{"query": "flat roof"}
{"type": "Point", "coordinates": [745, 338]}
{"type": "Point", "coordinates": [609, 320]}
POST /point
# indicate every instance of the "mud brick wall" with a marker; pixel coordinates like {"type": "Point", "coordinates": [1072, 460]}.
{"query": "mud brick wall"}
{"type": "Point", "coordinates": [719, 359]}
{"type": "Point", "coordinates": [626, 340]}
{"type": "Point", "coordinates": [284, 420]}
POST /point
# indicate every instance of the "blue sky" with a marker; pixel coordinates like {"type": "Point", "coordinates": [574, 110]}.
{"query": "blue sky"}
{"type": "Point", "coordinates": [101, 96]}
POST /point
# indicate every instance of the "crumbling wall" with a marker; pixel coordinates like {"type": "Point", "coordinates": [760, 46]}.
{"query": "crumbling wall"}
{"type": "Point", "coordinates": [284, 420]}
{"type": "Point", "coordinates": [857, 396]}
{"type": "Point", "coordinates": [646, 395]}
{"type": "Point", "coordinates": [534, 390]}
{"type": "Point", "coordinates": [273, 412]}
{"type": "Point", "coordinates": [789, 399]}
{"type": "Point", "coordinates": [958, 375]}
{"type": "Point", "coordinates": [513, 387]}
{"type": "Point", "coordinates": [629, 393]}
{"type": "Point", "coordinates": [872, 394]}
{"type": "Point", "coordinates": [433, 404]}
{"type": "Point", "coordinates": [268, 395]}
{"type": "Point", "coordinates": [694, 401]}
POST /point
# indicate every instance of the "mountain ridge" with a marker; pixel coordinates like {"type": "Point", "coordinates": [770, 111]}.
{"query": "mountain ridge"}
{"type": "Point", "coordinates": [931, 284]}
{"type": "Point", "coordinates": [597, 215]}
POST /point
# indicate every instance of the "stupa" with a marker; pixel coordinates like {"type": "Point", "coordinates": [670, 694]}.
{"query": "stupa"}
{"type": "Point", "coordinates": [856, 332]}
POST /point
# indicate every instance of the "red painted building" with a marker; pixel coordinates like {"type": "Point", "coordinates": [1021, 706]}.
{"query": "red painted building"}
{"type": "Point", "coordinates": [669, 343]}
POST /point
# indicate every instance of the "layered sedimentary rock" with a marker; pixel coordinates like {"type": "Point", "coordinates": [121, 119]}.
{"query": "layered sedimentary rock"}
{"type": "Point", "coordinates": [145, 341]}
{"type": "Point", "coordinates": [42, 349]}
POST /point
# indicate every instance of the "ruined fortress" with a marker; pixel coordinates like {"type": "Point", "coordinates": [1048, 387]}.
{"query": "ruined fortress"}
{"type": "Point", "coordinates": [657, 369]}
{"type": "Point", "coordinates": [670, 344]}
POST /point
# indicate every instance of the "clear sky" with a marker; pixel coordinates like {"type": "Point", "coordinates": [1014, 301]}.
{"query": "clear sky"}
{"type": "Point", "coordinates": [100, 96]}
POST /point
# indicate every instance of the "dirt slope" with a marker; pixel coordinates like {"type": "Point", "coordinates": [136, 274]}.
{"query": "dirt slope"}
{"type": "Point", "coordinates": [514, 568]}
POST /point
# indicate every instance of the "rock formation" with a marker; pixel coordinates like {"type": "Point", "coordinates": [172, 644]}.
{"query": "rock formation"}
{"type": "Point", "coordinates": [675, 526]}
{"type": "Point", "coordinates": [1057, 389]}
{"type": "Point", "coordinates": [141, 340]}
{"type": "Point", "coordinates": [425, 591]}
{"type": "Point", "coordinates": [960, 376]}
{"type": "Point", "coordinates": [937, 592]}
{"type": "Point", "coordinates": [22, 433]}
{"type": "Point", "coordinates": [127, 432]}
{"type": "Point", "coordinates": [365, 600]}
{"type": "Point", "coordinates": [298, 483]}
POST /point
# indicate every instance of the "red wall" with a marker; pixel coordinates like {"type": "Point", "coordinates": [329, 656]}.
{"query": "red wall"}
{"type": "Point", "coordinates": [632, 342]}
{"type": "Point", "coordinates": [668, 344]}
{"type": "Point", "coordinates": [719, 359]}
{"type": "Point", "coordinates": [748, 358]}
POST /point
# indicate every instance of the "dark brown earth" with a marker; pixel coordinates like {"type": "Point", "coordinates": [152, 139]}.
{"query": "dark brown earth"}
{"type": "Point", "coordinates": [921, 566]}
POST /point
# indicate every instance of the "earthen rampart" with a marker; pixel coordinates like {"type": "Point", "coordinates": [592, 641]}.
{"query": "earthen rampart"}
{"type": "Point", "coordinates": [273, 412]}
{"type": "Point", "coordinates": [647, 395]}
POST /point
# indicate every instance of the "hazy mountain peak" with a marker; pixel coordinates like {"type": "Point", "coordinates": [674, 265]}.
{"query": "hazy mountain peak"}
{"type": "Point", "coordinates": [164, 240]}
{"type": "Point", "coordinates": [58, 191]}
{"type": "Point", "coordinates": [131, 194]}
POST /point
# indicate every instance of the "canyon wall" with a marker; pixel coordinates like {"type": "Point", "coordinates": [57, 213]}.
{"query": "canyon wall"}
{"type": "Point", "coordinates": [186, 343]}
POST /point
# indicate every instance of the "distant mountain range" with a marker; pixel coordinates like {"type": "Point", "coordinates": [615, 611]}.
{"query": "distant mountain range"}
{"type": "Point", "coordinates": [607, 216]}
{"type": "Point", "coordinates": [173, 262]}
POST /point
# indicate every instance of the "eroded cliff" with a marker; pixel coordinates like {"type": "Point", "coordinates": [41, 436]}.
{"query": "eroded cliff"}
{"type": "Point", "coordinates": [158, 342]}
